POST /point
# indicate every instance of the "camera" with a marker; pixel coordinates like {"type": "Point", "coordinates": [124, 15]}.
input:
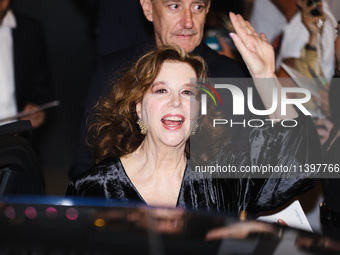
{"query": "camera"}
{"type": "Point", "coordinates": [316, 11]}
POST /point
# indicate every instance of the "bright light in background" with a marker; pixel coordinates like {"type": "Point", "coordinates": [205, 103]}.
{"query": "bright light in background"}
{"type": "Point", "coordinates": [51, 213]}
{"type": "Point", "coordinates": [9, 212]}
{"type": "Point", "coordinates": [99, 222]}
{"type": "Point", "coordinates": [30, 212]}
{"type": "Point", "coordinates": [66, 202]}
{"type": "Point", "coordinates": [72, 214]}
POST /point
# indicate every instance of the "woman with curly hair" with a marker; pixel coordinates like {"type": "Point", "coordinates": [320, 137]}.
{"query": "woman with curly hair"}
{"type": "Point", "coordinates": [140, 137]}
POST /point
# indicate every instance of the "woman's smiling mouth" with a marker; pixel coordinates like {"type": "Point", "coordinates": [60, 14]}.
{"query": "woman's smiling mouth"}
{"type": "Point", "coordinates": [173, 122]}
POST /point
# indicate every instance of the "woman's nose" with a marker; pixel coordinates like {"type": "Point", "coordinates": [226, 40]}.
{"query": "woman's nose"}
{"type": "Point", "coordinates": [175, 100]}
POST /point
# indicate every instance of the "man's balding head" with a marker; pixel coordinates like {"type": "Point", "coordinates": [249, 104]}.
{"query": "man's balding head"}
{"type": "Point", "coordinates": [179, 22]}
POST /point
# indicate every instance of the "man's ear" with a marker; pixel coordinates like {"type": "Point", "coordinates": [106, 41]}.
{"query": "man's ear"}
{"type": "Point", "coordinates": [139, 109]}
{"type": "Point", "coordinates": [208, 7]}
{"type": "Point", "coordinates": [147, 9]}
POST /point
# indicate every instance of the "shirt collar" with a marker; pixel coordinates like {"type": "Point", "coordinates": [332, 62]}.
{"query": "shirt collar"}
{"type": "Point", "coordinates": [9, 20]}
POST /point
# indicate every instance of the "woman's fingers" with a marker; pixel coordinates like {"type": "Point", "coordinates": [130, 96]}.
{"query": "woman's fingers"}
{"type": "Point", "coordinates": [242, 27]}
{"type": "Point", "coordinates": [250, 28]}
{"type": "Point", "coordinates": [263, 37]}
{"type": "Point", "coordinates": [239, 44]}
{"type": "Point", "coordinates": [239, 25]}
{"type": "Point", "coordinates": [256, 52]}
{"type": "Point", "coordinates": [241, 33]}
{"type": "Point", "coordinates": [243, 38]}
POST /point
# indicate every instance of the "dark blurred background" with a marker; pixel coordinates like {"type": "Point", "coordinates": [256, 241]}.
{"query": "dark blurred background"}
{"type": "Point", "coordinates": [69, 31]}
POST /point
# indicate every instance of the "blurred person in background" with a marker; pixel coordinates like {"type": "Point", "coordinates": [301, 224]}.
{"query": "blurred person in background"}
{"type": "Point", "coordinates": [24, 76]}
{"type": "Point", "coordinates": [292, 35]}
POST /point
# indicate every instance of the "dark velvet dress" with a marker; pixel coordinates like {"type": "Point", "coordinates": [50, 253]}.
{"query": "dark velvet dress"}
{"type": "Point", "coordinates": [268, 145]}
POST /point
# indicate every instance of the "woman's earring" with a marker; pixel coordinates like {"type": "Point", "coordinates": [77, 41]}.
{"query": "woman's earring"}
{"type": "Point", "coordinates": [193, 132]}
{"type": "Point", "coordinates": [142, 127]}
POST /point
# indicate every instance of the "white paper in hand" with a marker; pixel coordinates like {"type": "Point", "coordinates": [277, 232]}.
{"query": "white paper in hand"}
{"type": "Point", "coordinates": [293, 216]}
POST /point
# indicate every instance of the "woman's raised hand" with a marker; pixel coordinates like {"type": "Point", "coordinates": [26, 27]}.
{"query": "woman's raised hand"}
{"type": "Point", "coordinates": [259, 57]}
{"type": "Point", "coordinates": [255, 50]}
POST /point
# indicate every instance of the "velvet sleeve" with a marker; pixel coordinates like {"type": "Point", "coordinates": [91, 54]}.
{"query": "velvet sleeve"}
{"type": "Point", "coordinates": [300, 146]}
{"type": "Point", "coordinates": [71, 189]}
{"type": "Point", "coordinates": [274, 146]}
{"type": "Point", "coordinates": [91, 184]}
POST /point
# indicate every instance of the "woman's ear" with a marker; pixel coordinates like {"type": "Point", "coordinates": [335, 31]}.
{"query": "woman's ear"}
{"type": "Point", "coordinates": [139, 109]}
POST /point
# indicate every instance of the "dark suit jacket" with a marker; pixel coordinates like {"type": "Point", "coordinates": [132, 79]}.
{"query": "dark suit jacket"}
{"type": "Point", "coordinates": [32, 81]}
{"type": "Point", "coordinates": [121, 26]}
{"type": "Point", "coordinates": [111, 66]}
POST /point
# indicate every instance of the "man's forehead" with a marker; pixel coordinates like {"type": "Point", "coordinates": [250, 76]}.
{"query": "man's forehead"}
{"type": "Point", "coordinates": [183, 1]}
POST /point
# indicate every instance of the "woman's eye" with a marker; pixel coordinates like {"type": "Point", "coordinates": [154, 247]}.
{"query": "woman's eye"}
{"type": "Point", "coordinates": [160, 91]}
{"type": "Point", "coordinates": [188, 92]}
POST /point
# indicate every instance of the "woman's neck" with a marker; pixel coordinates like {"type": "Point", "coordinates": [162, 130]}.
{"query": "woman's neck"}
{"type": "Point", "coordinates": [152, 159]}
{"type": "Point", "coordinates": [157, 175]}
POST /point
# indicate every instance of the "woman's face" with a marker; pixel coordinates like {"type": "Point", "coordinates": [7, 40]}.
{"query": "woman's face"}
{"type": "Point", "coordinates": [165, 108]}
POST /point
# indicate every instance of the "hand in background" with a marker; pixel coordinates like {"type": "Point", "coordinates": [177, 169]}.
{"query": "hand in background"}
{"type": "Point", "coordinates": [240, 230]}
{"type": "Point", "coordinates": [37, 119]}
{"type": "Point", "coordinates": [281, 222]}
{"type": "Point", "coordinates": [313, 24]}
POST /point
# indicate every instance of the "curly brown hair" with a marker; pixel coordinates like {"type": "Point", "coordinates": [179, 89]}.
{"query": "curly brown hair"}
{"type": "Point", "coordinates": [113, 131]}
